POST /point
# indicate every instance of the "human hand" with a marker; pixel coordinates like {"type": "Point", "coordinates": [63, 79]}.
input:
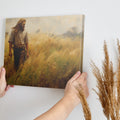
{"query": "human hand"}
{"type": "Point", "coordinates": [71, 93]}
{"type": "Point", "coordinates": [3, 85]}
{"type": "Point", "coordinates": [71, 99]}
{"type": "Point", "coordinates": [10, 54]}
{"type": "Point", "coordinates": [27, 54]}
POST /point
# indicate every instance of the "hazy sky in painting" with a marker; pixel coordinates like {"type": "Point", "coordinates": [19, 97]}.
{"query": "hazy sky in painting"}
{"type": "Point", "coordinates": [51, 24]}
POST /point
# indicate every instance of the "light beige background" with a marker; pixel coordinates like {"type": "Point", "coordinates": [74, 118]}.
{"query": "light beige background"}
{"type": "Point", "coordinates": [102, 22]}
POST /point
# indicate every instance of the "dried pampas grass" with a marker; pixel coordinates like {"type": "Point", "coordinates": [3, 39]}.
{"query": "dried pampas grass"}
{"type": "Point", "coordinates": [86, 110]}
{"type": "Point", "coordinates": [108, 84]}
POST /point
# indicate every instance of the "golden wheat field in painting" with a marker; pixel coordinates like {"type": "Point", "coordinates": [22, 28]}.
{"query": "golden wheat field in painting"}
{"type": "Point", "coordinates": [54, 57]}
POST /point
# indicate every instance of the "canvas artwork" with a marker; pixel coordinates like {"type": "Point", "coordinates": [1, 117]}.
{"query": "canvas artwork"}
{"type": "Point", "coordinates": [43, 51]}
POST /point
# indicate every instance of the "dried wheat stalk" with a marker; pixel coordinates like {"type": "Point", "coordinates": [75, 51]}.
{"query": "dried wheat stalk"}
{"type": "Point", "coordinates": [108, 86]}
{"type": "Point", "coordinates": [86, 110]}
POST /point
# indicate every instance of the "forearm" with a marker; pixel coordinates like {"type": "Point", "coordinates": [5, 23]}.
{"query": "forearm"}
{"type": "Point", "coordinates": [10, 47]}
{"type": "Point", "coordinates": [59, 111]}
{"type": "Point", "coordinates": [27, 47]}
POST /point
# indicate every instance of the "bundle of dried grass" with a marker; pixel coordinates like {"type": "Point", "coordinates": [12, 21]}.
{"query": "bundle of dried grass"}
{"type": "Point", "coordinates": [86, 110]}
{"type": "Point", "coordinates": [108, 84]}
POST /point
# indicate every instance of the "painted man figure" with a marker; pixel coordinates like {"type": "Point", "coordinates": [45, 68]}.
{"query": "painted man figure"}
{"type": "Point", "coordinates": [18, 41]}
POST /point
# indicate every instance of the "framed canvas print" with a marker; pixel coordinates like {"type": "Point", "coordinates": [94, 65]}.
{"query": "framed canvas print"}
{"type": "Point", "coordinates": [43, 51]}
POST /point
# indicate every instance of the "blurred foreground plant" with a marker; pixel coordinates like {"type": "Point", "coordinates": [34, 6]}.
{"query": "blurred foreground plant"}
{"type": "Point", "coordinates": [108, 84]}
{"type": "Point", "coordinates": [86, 109]}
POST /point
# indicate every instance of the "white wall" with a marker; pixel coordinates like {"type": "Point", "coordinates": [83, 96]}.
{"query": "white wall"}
{"type": "Point", "coordinates": [102, 22]}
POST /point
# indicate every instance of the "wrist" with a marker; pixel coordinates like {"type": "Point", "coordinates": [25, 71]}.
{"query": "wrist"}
{"type": "Point", "coordinates": [70, 101]}
{"type": "Point", "coordinates": [67, 105]}
{"type": "Point", "coordinates": [1, 92]}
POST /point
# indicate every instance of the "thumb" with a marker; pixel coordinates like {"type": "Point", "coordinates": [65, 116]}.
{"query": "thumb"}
{"type": "Point", "coordinates": [3, 72]}
{"type": "Point", "coordinates": [75, 76]}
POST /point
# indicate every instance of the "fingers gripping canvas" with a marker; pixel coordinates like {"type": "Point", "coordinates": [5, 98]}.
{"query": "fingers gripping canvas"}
{"type": "Point", "coordinates": [43, 51]}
